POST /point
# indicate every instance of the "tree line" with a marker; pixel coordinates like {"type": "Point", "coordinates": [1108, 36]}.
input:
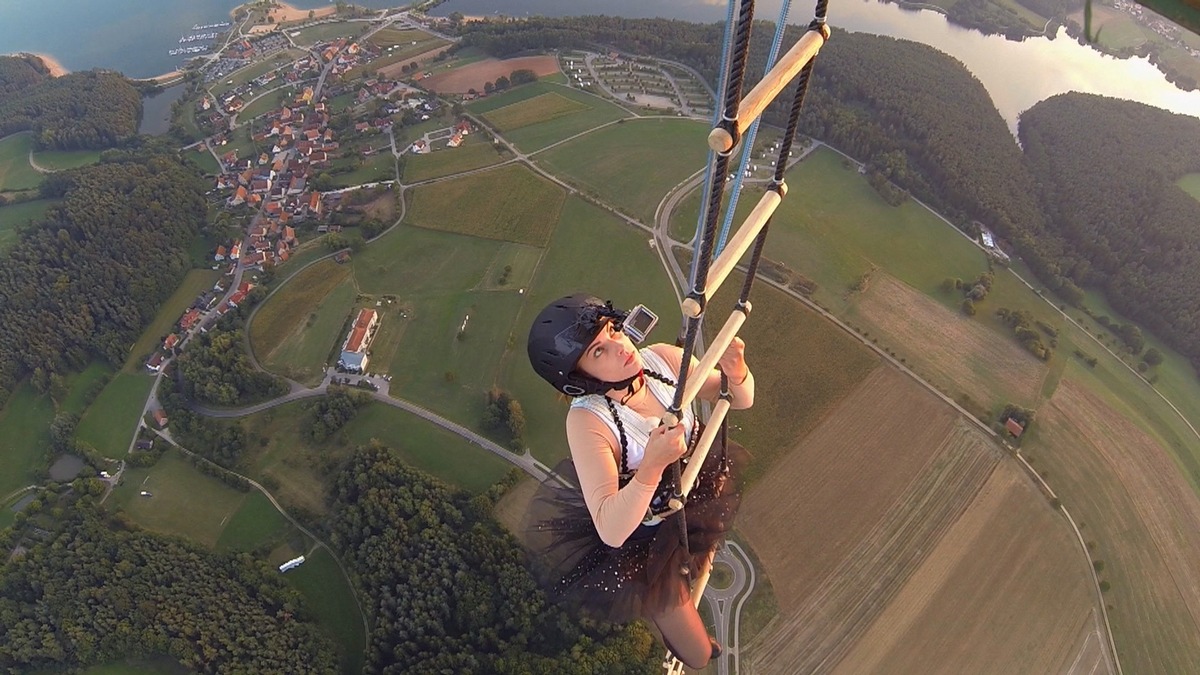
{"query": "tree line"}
{"type": "Point", "coordinates": [98, 590]}
{"type": "Point", "coordinates": [84, 282]}
{"type": "Point", "coordinates": [86, 110]}
{"type": "Point", "coordinates": [447, 590]}
{"type": "Point", "coordinates": [1116, 220]}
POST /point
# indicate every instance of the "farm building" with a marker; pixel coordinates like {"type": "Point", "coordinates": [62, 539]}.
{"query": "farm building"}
{"type": "Point", "coordinates": [354, 351]}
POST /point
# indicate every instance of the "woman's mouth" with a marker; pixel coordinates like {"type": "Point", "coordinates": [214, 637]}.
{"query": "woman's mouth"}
{"type": "Point", "coordinates": [630, 359]}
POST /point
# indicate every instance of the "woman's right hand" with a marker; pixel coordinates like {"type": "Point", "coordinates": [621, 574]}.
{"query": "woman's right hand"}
{"type": "Point", "coordinates": [664, 447]}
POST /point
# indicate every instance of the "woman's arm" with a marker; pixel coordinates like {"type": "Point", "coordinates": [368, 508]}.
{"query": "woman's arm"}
{"type": "Point", "coordinates": [733, 362]}
{"type": "Point", "coordinates": [616, 512]}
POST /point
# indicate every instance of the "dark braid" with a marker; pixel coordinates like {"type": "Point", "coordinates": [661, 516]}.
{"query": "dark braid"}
{"type": "Point", "coordinates": [612, 408]}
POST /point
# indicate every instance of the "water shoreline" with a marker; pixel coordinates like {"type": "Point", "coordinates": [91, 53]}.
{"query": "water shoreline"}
{"type": "Point", "coordinates": [52, 64]}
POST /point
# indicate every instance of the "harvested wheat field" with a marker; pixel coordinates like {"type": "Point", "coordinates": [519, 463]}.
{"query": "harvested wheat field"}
{"type": "Point", "coordinates": [1143, 518]}
{"type": "Point", "coordinates": [899, 539]}
{"type": "Point", "coordinates": [943, 346]}
{"type": "Point", "coordinates": [474, 75]}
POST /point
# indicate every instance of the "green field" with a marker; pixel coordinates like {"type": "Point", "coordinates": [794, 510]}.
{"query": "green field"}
{"type": "Point", "coordinates": [15, 171]}
{"type": "Point", "coordinates": [265, 103]}
{"type": "Point", "coordinates": [16, 216]}
{"type": "Point", "coordinates": [250, 72]}
{"type": "Point", "coordinates": [109, 422]}
{"type": "Point", "coordinates": [324, 32]}
{"type": "Point", "coordinates": [331, 599]}
{"type": "Point", "coordinates": [510, 203]}
{"type": "Point", "coordinates": [24, 437]}
{"type": "Point", "coordinates": [396, 36]}
{"type": "Point", "coordinates": [537, 136]}
{"type": "Point", "coordinates": [60, 160]}
{"type": "Point", "coordinates": [475, 153]}
{"type": "Point", "coordinates": [590, 251]}
{"type": "Point", "coordinates": [206, 162]}
{"type": "Point", "coordinates": [285, 315]}
{"type": "Point", "coordinates": [194, 283]}
{"type": "Point", "coordinates": [185, 502]}
{"type": "Point", "coordinates": [296, 470]}
{"type": "Point", "coordinates": [378, 167]}
{"type": "Point", "coordinates": [634, 164]}
{"type": "Point", "coordinates": [833, 227]}
{"type": "Point", "coordinates": [80, 384]}
{"type": "Point", "coordinates": [540, 108]}
{"type": "Point", "coordinates": [304, 353]}
{"type": "Point", "coordinates": [1190, 184]}
{"type": "Point", "coordinates": [400, 55]}
{"type": "Point", "coordinates": [256, 523]}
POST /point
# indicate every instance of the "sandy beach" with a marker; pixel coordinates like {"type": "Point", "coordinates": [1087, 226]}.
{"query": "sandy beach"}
{"type": "Point", "coordinates": [56, 69]}
{"type": "Point", "coordinates": [283, 12]}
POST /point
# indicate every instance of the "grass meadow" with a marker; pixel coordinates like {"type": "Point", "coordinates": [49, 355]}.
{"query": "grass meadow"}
{"type": "Point", "coordinates": [331, 599]}
{"type": "Point", "coordinates": [296, 470]}
{"type": "Point", "coordinates": [540, 108]}
{"type": "Point", "coordinates": [15, 171]}
{"type": "Point", "coordinates": [142, 665]}
{"type": "Point", "coordinates": [510, 203]}
{"type": "Point", "coordinates": [633, 164]}
{"type": "Point", "coordinates": [265, 103]}
{"type": "Point", "coordinates": [304, 353]}
{"type": "Point", "coordinates": [24, 437]}
{"type": "Point", "coordinates": [475, 153]}
{"type": "Point", "coordinates": [256, 523]}
{"type": "Point", "coordinates": [537, 136]}
{"type": "Point", "coordinates": [294, 332]}
{"type": "Point", "coordinates": [79, 385]}
{"type": "Point", "coordinates": [389, 61]}
{"type": "Point", "coordinates": [1190, 184]}
{"type": "Point", "coordinates": [185, 502]}
{"type": "Point", "coordinates": [378, 167]}
{"type": "Point", "coordinates": [14, 217]}
{"type": "Point", "coordinates": [61, 160]}
{"type": "Point", "coordinates": [206, 162]}
{"type": "Point", "coordinates": [324, 32]}
{"type": "Point", "coordinates": [109, 422]}
{"type": "Point", "coordinates": [389, 37]}
{"type": "Point", "coordinates": [194, 283]}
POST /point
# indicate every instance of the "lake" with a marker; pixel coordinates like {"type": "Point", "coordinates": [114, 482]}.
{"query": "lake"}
{"type": "Point", "coordinates": [156, 110]}
{"type": "Point", "coordinates": [1016, 74]}
{"type": "Point", "coordinates": [133, 36]}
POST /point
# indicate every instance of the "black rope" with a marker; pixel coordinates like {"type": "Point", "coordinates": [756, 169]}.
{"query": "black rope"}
{"type": "Point", "coordinates": [612, 408]}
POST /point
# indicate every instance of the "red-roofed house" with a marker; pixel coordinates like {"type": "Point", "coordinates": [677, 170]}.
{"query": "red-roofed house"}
{"type": "Point", "coordinates": [1014, 427]}
{"type": "Point", "coordinates": [155, 362]}
{"type": "Point", "coordinates": [220, 254]}
{"type": "Point", "coordinates": [160, 418]}
{"type": "Point", "coordinates": [189, 319]}
{"type": "Point", "coordinates": [170, 341]}
{"type": "Point", "coordinates": [354, 350]}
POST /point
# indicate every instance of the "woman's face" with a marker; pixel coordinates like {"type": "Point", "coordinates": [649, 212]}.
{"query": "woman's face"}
{"type": "Point", "coordinates": [611, 357]}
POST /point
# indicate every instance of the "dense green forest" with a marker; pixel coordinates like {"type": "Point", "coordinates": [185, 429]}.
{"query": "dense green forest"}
{"type": "Point", "coordinates": [85, 110]}
{"type": "Point", "coordinates": [85, 282]}
{"type": "Point", "coordinates": [95, 592]}
{"type": "Point", "coordinates": [1106, 170]}
{"type": "Point", "coordinates": [215, 369]}
{"type": "Point", "coordinates": [448, 591]}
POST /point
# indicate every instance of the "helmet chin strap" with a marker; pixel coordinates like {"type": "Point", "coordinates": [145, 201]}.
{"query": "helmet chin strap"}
{"type": "Point", "coordinates": [627, 385]}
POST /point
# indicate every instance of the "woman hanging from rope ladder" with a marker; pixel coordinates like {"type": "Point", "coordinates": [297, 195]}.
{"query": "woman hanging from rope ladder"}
{"type": "Point", "coordinates": [612, 540]}
{"type": "Point", "coordinates": [626, 536]}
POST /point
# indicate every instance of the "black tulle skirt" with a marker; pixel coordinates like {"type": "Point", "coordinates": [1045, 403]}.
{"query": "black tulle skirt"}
{"type": "Point", "coordinates": [645, 575]}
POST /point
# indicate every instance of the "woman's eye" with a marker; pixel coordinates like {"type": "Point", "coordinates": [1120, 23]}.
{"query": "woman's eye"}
{"type": "Point", "coordinates": [597, 352]}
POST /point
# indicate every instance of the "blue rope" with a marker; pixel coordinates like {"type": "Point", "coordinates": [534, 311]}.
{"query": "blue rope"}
{"type": "Point", "coordinates": [748, 138]}
{"type": "Point", "coordinates": [721, 84]}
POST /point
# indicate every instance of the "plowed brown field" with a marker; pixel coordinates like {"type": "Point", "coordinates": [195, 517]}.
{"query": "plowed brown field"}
{"type": "Point", "coordinates": [945, 347]}
{"type": "Point", "coordinates": [474, 75]}
{"type": "Point", "coordinates": [1144, 518]}
{"type": "Point", "coordinates": [898, 539]}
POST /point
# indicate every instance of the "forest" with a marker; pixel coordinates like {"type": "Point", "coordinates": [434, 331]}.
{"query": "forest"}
{"type": "Point", "coordinates": [85, 110]}
{"type": "Point", "coordinates": [448, 591]}
{"type": "Point", "coordinates": [85, 282]}
{"type": "Point", "coordinates": [1117, 221]}
{"type": "Point", "coordinates": [97, 590]}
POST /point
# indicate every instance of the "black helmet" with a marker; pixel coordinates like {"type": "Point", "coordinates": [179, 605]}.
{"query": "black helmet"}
{"type": "Point", "coordinates": [558, 337]}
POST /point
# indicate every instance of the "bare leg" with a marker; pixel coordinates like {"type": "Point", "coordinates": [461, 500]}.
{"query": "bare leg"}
{"type": "Point", "coordinates": [684, 632]}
